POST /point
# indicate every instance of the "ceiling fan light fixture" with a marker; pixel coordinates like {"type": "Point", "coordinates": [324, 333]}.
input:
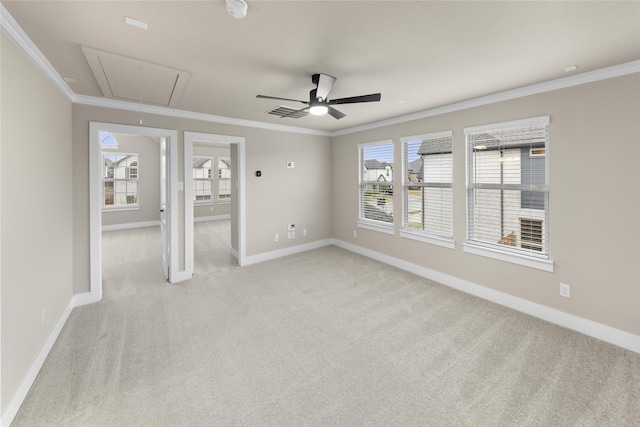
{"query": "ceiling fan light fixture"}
{"type": "Point", "coordinates": [319, 110]}
{"type": "Point", "coordinates": [237, 8]}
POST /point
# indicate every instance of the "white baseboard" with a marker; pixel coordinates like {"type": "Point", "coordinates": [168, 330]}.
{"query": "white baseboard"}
{"type": "Point", "coordinates": [597, 330]}
{"type": "Point", "coordinates": [266, 256]}
{"type": "Point", "coordinates": [86, 298]}
{"type": "Point", "coordinates": [181, 276]}
{"type": "Point", "coordinates": [18, 398]}
{"type": "Point", "coordinates": [129, 225]}
{"type": "Point", "coordinates": [211, 218]}
{"type": "Point", "coordinates": [233, 252]}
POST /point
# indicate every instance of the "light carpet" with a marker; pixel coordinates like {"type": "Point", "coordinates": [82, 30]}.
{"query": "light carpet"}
{"type": "Point", "coordinates": [321, 338]}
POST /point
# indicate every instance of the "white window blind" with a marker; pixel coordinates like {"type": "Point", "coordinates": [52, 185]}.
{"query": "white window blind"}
{"type": "Point", "coordinates": [120, 179]}
{"type": "Point", "coordinates": [508, 186]}
{"type": "Point", "coordinates": [428, 166]}
{"type": "Point", "coordinates": [202, 179]}
{"type": "Point", "coordinates": [376, 182]}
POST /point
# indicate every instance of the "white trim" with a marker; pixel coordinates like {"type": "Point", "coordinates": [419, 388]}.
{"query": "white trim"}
{"type": "Point", "coordinates": [187, 167]}
{"type": "Point", "coordinates": [433, 135]}
{"type": "Point", "coordinates": [376, 227]}
{"type": "Point", "coordinates": [267, 256]}
{"type": "Point", "coordinates": [551, 85]}
{"type": "Point", "coordinates": [540, 264]}
{"type": "Point", "coordinates": [85, 298]}
{"type": "Point", "coordinates": [128, 225]}
{"type": "Point", "coordinates": [122, 208]}
{"type": "Point", "coordinates": [588, 327]}
{"type": "Point", "coordinates": [540, 120]}
{"type": "Point", "coordinates": [430, 239]}
{"type": "Point", "coordinates": [95, 197]}
{"type": "Point", "coordinates": [23, 389]}
{"type": "Point", "coordinates": [172, 112]}
{"type": "Point", "coordinates": [211, 218]}
{"type": "Point", "coordinates": [374, 143]}
{"type": "Point", "coordinates": [189, 138]}
{"type": "Point", "coordinates": [20, 38]}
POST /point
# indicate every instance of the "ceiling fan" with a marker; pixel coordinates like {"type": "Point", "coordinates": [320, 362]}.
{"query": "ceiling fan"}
{"type": "Point", "coordinates": [318, 103]}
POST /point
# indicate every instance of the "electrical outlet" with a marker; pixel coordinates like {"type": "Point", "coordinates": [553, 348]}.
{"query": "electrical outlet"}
{"type": "Point", "coordinates": [291, 165]}
{"type": "Point", "coordinates": [276, 238]}
{"type": "Point", "coordinates": [565, 290]}
{"type": "Point", "coordinates": [304, 231]}
{"type": "Point", "coordinates": [355, 233]}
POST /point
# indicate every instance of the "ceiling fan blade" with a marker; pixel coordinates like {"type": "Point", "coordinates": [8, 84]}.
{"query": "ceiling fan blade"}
{"type": "Point", "coordinates": [281, 99]}
{"type": "Point", "coordinates": [335, 113]}
{"type": "Point", "coordinates": [325, 83]}
{"type": "Point", "coordinates": [374, 97]}
{"type": "Point", "coordinates": [294, 112]}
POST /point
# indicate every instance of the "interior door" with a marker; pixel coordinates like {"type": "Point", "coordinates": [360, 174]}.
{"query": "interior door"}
{"type": "Point", "coordinates": [165, 212]}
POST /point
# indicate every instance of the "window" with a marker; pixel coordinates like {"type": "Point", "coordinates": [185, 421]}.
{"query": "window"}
{"type": "Point", "coordinates": [108, 141]}
{"type": "Point", "coordinates": [427, 192]}
{"type": "Point", "coordinates": [224, 178]}
{"type": "Point", "coordinates": [120, 180]}
{"type": "Point", "coordinates": [376, 184]}
{"type": "Point", "coordinates": [508, 186]}
{"type": "Point", "coordinates": [202, 179]}
{"type": "Point", "coordinates": [531, 234]}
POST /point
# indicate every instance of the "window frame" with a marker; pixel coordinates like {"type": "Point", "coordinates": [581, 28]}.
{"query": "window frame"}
{"type": "Point", "coordinates": [503, 252]}
{"type": "Point", "coordinates": [114, 180]}
{"type": "Point", "coordinates": [368, 223]}
{"type": "Point", "coordinates": [212, 200]}
{"type": "Point", "coordinates": [108, 136]}
{"type": "Point", "coordinates": [422, 235]}
{"type": "Point", "coordinates": [219, 179]}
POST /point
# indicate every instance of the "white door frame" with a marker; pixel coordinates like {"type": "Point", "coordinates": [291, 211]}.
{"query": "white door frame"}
{"type": "Point", "coordinates": [95, 197]}
{"type": "Point", "coordinates": [189, 138]}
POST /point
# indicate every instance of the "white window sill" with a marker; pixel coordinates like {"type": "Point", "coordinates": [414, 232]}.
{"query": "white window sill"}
{"type": "Point", "coordinates": [203, 203]}
{"type": "Point", "coordinates": [431, 239]}
{"type": "Point", "coordinates": [120, 208]}
{"type": "Point", "coordinates": [376, 226]}
{"type": "Point", "coordinates": [532, 262]}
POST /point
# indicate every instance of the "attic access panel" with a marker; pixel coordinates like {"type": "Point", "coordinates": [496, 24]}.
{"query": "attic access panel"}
{"type": "Point", "coordinates": [135, 80]}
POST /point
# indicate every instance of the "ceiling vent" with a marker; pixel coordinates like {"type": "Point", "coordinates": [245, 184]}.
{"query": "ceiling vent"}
{"type": "Point", "coordinates": [134, 80]}
{"type": "Point", "coordinates": [292, 113]}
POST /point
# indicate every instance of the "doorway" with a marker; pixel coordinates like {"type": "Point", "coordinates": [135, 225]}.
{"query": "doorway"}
{"type": "Point", "coordinates": [237, 188]}
{"type": "Point", "coordinates": [169, 138]}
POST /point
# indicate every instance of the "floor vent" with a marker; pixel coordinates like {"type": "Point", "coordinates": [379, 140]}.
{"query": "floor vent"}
{"type": "Point", "coordinates": [292, 113]}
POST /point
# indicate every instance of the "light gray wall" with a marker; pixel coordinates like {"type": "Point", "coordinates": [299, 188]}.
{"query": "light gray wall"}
{"type": "Point", "coordinates": [214, 208]}
{"type": "Point", "coordinates": [281, 196]}
{"type": "Point", "coordinates": [148, 180]}
{"type": "Point", "coordinates": [594, 201]}
{"type": "Point", "coordinates": [36, 213]}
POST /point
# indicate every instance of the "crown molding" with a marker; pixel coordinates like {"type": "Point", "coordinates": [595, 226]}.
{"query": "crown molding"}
{"type": "Point", "coordinates": [96, 101]}
{"type": "Point", "coordinates": [15, 32]}
{"type": "Point", "coordinates": [11, 27]}
{"type": "Point", "coordinates": [548, 86]}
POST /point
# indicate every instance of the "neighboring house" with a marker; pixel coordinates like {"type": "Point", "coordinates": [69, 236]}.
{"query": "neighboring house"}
{"type": "Point", "coordinates": [415, 172]}
{"type": "Point", "coordinates": [120, 179]}
{"type": "Point", "coordinates": [375, 170]}
{"type": "Point", "coordinates": [521, 213]}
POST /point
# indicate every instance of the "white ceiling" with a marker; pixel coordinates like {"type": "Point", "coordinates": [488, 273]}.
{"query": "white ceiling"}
{"type": "Point", "coordinates": [418, 54]}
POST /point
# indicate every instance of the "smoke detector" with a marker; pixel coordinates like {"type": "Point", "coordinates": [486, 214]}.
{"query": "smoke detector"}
{"type": "Point", "coordinates": [237, 8]}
